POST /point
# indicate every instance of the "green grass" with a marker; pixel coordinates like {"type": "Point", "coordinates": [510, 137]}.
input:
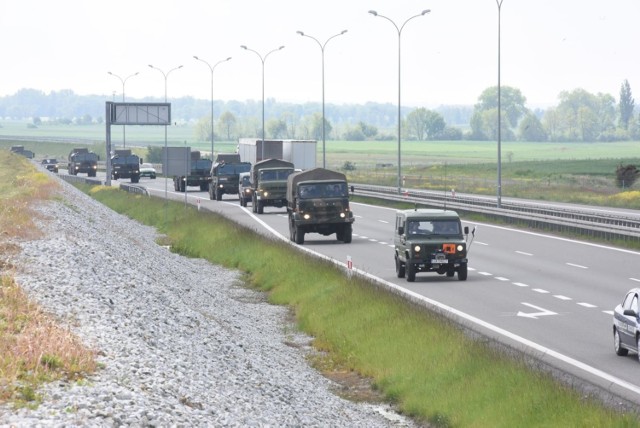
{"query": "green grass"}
{"type": "Point", "coordinates": [418, 360]}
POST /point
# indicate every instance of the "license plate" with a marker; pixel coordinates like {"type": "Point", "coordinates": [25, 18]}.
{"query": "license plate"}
{"type": "Point", "coordinates": [440, 258]}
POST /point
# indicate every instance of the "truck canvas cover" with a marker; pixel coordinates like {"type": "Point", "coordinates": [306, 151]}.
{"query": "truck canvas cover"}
{"type": "Point", "coordinates": [268, 163]}
{"type": "Point", "coordinates": [314, 174]}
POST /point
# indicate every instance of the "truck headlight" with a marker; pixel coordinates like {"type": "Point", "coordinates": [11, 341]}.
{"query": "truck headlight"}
{"type": "Point", "coordinates": [417, 248]}
{"type": "Point", "coordinates": [342, 215]}
{"type": "Point", "coordinates": [307, 216]}
{"type": "Point", "coordinates": [265, 194]}
{"type": "Point", "coordinates": [460, 247]}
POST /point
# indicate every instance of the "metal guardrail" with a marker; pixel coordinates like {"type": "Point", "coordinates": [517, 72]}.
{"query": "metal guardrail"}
{"type": "Point", "coordinates": [134, 188]}
{"type": "Point", "coordinates": [583, 222]}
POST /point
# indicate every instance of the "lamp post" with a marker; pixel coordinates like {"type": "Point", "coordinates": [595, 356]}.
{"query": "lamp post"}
{"type": "Point", "coordinates": [124, 139]}
{"type": "Point", "coordinates": [212, 68]}
{"type": "Point", "coordinates": [322, 46]}
{"type": "Point", "coordinates": [262, 59]}
{"type": "Point", "coordinates": [499, 195]}
{"type": "Point", "coordinates": [399, 29]}
{"type": "Point", "coordinates": [164, 161]}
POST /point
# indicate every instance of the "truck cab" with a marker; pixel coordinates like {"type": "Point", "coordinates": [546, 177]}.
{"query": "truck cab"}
{"type": "Point", "coordinates": [430, 240]}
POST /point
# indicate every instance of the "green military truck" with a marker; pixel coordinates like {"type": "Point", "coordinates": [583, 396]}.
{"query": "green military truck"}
{"type": "Point", "coordinates": [198, 175]}
{"type": "Point", "coordinates": [269, 181]}
{"type": "Point", "coordinates": [318, 202]}
{"type": "Point", "coordinates": [125, 164]}
{"type": "Point", "coordinates": [430, 240]}
{"type": "Point", "coordinates": [81, 160]}
{"type": "Point", "coordinates": [225, 174]}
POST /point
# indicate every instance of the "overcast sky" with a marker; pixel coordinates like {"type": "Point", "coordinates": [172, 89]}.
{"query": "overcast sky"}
{"type": "Point", "coordinates": [449, 56]}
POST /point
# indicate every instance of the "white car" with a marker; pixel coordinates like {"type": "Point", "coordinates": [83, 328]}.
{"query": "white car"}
{"type": "Point", "coordinates": [147, 170]}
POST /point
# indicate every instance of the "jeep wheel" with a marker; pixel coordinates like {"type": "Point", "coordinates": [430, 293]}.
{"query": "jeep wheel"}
{"type": "Point", "coordinates": [399, 268]}
{"type": "Point", "coordinates": [462, 272]}
{"type": "Point", "coordinates": [411, 272]}
{"type": "Point", "coordinates": [299, 235]}
{"type": "Point", "coordinates": [616, 344]}
{"type": "Point", "coordinates": [347, 234]}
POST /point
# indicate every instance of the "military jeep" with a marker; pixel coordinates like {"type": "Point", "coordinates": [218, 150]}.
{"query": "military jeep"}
{"type": "Point", "coordinates": [430, 240]}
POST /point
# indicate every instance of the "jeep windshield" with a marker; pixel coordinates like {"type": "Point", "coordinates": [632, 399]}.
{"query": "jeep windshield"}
{"type": "Point", "coordinates": [433, 227]}
{"type": "Point", "coordinates": [323, 190]}
{"type": "Point", "coordinates": [233, 168]}
{"type": "Point", "coordinates": [275, 174]}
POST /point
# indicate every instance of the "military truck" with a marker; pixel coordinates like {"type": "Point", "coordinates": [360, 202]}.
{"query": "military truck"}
{"type": "Point", "coordinates": [198, 175]}
{"type": "Point", "coordinates": [430, 240]}
{"type": "Point", "coordinates": [125, 164]}
{"type": "Point", "coordinates": [225, 175]}
{"type": "Point", "coordinates": [81, 160]}
{"type": "Point", "coordinates": [20, 150]}
{"type": "Point", "coordinates": [269, 182]}
{"type": "Point", "coordinates": [318, 202]}
{"type": "Point", "coordinates": [245, 189]}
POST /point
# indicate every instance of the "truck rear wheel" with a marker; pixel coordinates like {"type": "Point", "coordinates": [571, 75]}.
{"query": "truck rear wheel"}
{"type": "Point", "coordinates": [399, 268]}
{"type": "Point", "coordinates": [260, 207]}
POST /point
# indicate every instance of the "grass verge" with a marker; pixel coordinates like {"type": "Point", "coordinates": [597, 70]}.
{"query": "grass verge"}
{"type": "Point", "coordinates": [416, 359]}
{"type": "Point", "coordinates": [33, 348]}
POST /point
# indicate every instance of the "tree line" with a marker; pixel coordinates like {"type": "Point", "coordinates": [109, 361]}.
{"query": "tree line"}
{"type": "Point", "coordinates": [578, 116]}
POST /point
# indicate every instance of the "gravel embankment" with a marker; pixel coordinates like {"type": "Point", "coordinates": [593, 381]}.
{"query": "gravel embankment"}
{"type": "Point", "coordinates": [181, 342]}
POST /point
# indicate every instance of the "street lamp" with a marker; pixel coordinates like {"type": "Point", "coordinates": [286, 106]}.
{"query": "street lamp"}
{"type": "Point", "coordinates": [124, 139]}
{"type": "Point", "coordinates": [262, 59]}
{"type": "Point", "coordinates": [322, 52]}
{"type": "Point", "coordinates": [164, 161]}
{"type": "Point", "coordinates": [212, 68]}
{"type": "Point", "coordinates": [399, 29]}
{"type": "Point", "coordinates": [499, 196]}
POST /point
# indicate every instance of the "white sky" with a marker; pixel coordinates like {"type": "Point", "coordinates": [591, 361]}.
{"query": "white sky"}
{"type": "Point", "coordinates": [448, 56]}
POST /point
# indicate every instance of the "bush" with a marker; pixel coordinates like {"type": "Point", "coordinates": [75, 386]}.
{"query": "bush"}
{"type": "Point", "coordinates": [626, 176]}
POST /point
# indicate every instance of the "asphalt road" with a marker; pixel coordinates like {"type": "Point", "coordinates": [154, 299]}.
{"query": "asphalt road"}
{"type": "Point", "coordinates": [548, 296]}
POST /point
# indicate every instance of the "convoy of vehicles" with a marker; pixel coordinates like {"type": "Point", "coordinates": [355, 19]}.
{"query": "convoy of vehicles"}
{"type": "Point", "coordinates": [198, 175]}
{"type": "Point", "coordinates": [269, 182]}
{"type": "Point", "coordinates": [430, 240]}
{"type": "Point", "coordinates": [318, 202]}
{"type": "Point", "coordinates": [81, 160]}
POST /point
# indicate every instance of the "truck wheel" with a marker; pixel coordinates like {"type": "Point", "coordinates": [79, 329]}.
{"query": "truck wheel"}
{"type": "Point", "coordinates": [204, 187]}
{"type": "Point", "coordinates": [135, 179]}
{"type": "Point", "coordinates": [183, 186]}
{"type": "Point", "coordinates": [254, 204]}
{"type": "Point", "coordinates": [450, 273]}
{"type": "Point", "coordinates": [347, 234]}
{"type": "Point", "coordinates": [399, 268]}
{"type": "Point", "coordinates": [411, 272]}
{"type": "Point", "coordinates": [218, 194]}
{"type": "Point", "coordinates": [299, 235]}
{"type": "Point", "coordinates": [260, 207]}
{"type": "Point", "coordinates": [462, 272]}
{"type": "Point", "coordinates": [340, 234]}
{"type": "Point", "coordinates": [243, 203]}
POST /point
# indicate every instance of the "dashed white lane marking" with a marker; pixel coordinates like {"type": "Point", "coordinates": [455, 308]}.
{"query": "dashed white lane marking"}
{"type": "Point", "coordinates": [383, 221]}
{"type": "Point", "coordinates": [520, 284]}
{"type": "Point", "coordinates": [523, 253]}
{"type": "Point", "coordinates": [373, 240]}
{"type": "Point", "coordinates": [500, 278]}
{"type": "Point", "coordinates": [587, 305]}
{"type": "Point", "coordinates": [577, 266]}
{"type": "Point", "coordinates": [561, 297]}
{"type": "Point", "coordinates": [540, 290]}
{"type": "Point", "coordinates": [635, 279]}
{"type": "Point", "coordinates": [608, 312]}
{"type": "Point", "coordinates": [485, 273]}
{"type": "Point", "coordinates": [480, 243]}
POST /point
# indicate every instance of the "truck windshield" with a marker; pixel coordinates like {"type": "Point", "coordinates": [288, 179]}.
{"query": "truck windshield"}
{"type": "Point", "coordinates": [204, 164]}
{"type": "Point", "coordinates": [275, 174]}
{"type": "Point", "coordinates": [85, 157]}
{"type": "Point", "coordinates": [233, 168]}
{"type": "Point", "coordinates": [323, 190]}
{"type": "Point", "coordinates": [125, 160]}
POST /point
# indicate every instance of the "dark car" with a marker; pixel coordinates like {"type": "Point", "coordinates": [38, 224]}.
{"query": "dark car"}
{"type": "Point", "coordinates": [626, 324]}
{"type": "Point", "coordinates": [50, 164]}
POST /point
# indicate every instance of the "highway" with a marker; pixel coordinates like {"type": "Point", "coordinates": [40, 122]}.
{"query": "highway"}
{"type": "Point", "coordinates": [550, 297]}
